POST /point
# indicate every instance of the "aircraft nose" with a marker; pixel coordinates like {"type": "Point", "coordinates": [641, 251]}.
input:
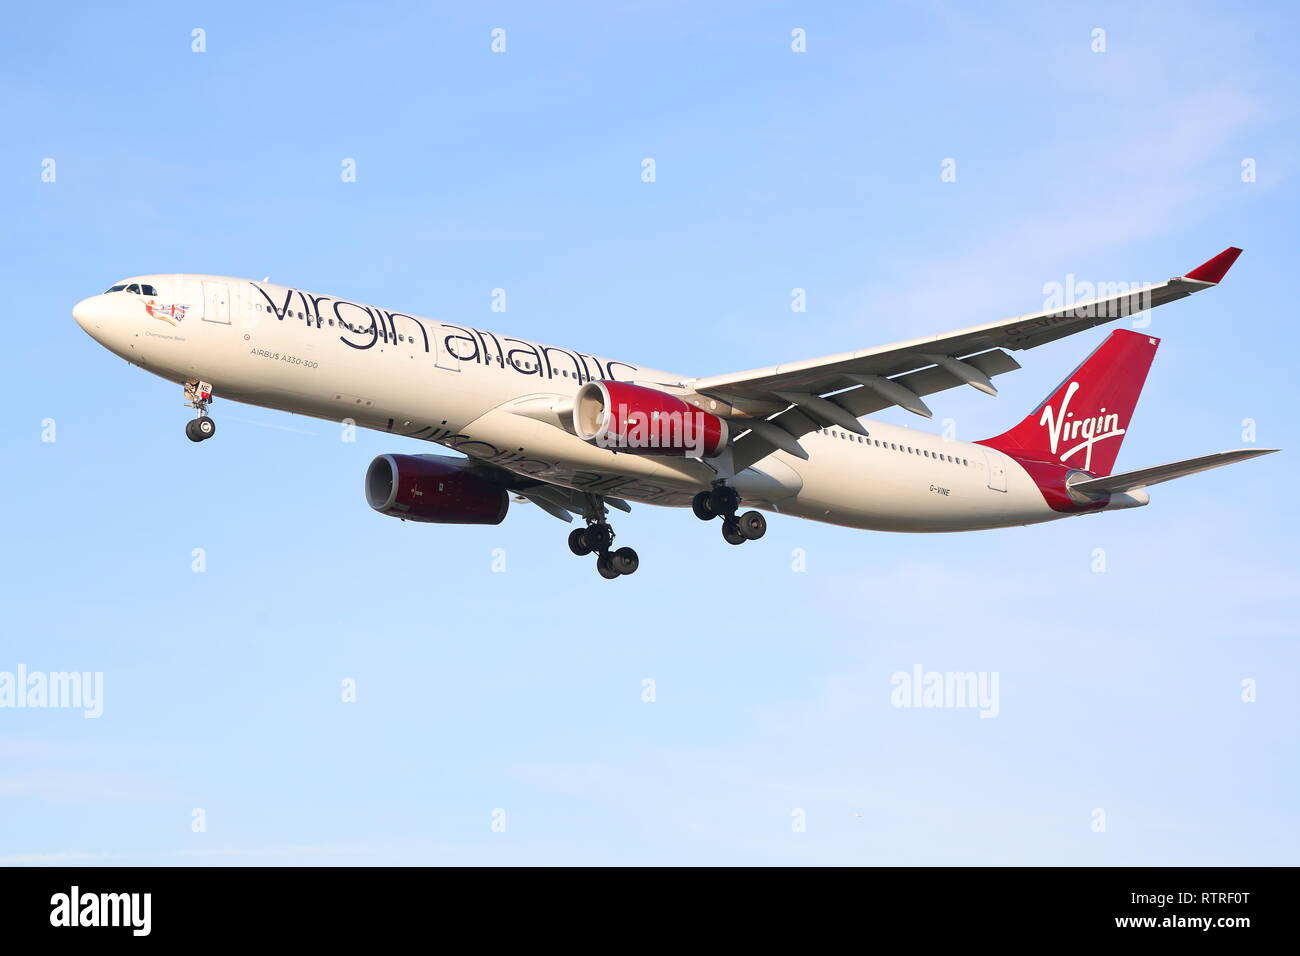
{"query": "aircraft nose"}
{"type": "Point", "coordinates": [93, 313]}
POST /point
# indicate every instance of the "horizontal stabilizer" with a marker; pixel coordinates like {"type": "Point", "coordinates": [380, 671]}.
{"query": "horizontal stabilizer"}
{"type": "Point", "coordinates": [1132, 480]}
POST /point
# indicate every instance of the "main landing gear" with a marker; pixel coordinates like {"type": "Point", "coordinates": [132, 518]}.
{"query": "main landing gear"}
{"type": "Point", "coordinates": [200, 397]}
{"type": "Point", "coordinates": [722, 501]}
{"type": "Point", "coordinates": [597, 537]}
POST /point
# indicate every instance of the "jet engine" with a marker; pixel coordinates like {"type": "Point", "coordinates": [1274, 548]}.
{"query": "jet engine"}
{"type": "Point", "coordinates": [637, 420]}
{"type": "Point", "coordinates": [434, 488]}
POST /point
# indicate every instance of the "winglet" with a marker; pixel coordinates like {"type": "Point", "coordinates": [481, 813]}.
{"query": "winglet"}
{"type": "Point", "coordinates": [1214, 270]}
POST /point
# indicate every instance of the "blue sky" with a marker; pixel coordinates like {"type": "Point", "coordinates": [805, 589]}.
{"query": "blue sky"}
{"type": "Point", "coordinates": [521, 691]}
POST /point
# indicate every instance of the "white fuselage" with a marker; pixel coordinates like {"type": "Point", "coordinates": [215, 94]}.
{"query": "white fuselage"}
{"type": "Point", "coordinates": [486, 395]}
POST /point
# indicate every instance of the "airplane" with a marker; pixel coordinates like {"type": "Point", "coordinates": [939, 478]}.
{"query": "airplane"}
{"type": "Point", "coordinates": [576, 434]}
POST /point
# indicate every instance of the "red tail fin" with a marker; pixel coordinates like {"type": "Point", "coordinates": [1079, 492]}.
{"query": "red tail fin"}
{"type": "Point", "coordinates": [1083, 422]}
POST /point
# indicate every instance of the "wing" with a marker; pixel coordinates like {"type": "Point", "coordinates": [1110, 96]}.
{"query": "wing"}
{"type": "Point", "coordinates": [564, 503]}
{"type": "Point", "coordinates": [555, 500]}
{"type": "Point", "coordinates": [780, 403]}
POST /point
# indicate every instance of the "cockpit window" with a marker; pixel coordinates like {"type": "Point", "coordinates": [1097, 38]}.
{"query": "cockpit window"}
{"type": "Point", "coordinates": [133, 287]}
{"type": "Point", "coordinates": [116, 288]}
{"type": "Point", "coordinates": [148, 290]}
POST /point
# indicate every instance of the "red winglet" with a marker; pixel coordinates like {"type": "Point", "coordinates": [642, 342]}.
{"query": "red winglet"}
{"type": "Point", "coordinates": [1216, 268]}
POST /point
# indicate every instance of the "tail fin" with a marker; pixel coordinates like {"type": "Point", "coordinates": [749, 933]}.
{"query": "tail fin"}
{"type": "Point", "coordinates": [1083, 422]}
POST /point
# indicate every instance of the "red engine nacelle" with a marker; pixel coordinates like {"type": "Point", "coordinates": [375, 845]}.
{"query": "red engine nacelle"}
{"type": "Point", "coordinates": [434, 488]}
{"type": "Point", "coordinates": [645, 421]}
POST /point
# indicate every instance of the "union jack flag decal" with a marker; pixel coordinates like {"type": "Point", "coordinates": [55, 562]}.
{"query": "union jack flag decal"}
{"type": "Point", "coordinates": [168, 313]}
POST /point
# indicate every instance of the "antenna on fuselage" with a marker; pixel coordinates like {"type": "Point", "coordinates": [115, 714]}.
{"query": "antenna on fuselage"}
{"type": "Point", "coordinates": [266, 278]}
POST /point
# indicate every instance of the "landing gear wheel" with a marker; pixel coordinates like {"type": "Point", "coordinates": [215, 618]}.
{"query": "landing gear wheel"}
{"type": "Point", "coordinates": [605, 565]}
{"type": "Point", "coordinates": [598, 536]}
{"type": "Point", "coordinates": [752, 525]}
{"type": "Point", "coordinates": [200, 429]}
{"type": "Point", "coordinates": [625, 561]}
{"type": "Point", "coordinates": [578, 542]}
{"type": "Point", "coordinates": [198, 396]}
{"type": "Point", "coordinates": [724, 500]}
{"type": "Point", "coordinates": [700, 505]}
{"type": "Point", "coordinates": [731, 532]}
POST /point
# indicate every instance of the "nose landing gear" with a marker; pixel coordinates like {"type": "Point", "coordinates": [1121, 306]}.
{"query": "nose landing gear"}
{"type": "Point", "coordinates": [722, 501]}
{"type": "Point", "coordinates": [200, 397]}
{"type": "Point", "coordinates": [200, 429]}
{"type": "Point", "coordinates": [597, 537]}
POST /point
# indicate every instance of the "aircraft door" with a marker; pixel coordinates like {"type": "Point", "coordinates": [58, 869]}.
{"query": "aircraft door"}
{"type": "Point", "coordinates": [216, 302]}
{"type": "Point", "coordinates": [442, 358]}
{"type": "Point", "coordinates": [997, 471]}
